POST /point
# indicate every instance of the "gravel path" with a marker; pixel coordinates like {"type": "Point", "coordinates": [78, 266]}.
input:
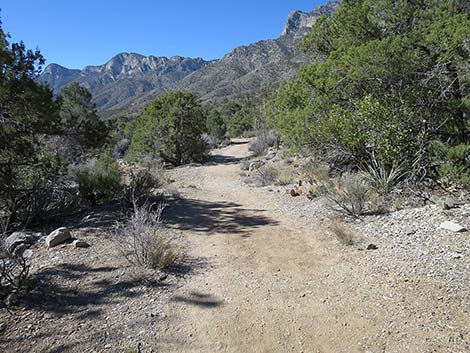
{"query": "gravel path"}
{"type": "Point", "coordinates": [261, 273]}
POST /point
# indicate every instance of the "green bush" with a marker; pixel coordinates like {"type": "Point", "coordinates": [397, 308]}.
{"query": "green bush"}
{"type": "Point", "coordinates": [386, 79]}
{"type": "Point", "coordinates": [454, 162]}
{"type": "Point", "coordinates": [215, 124]}
{"type": "Point", "coordinates": [240, 122]}
{"type": "Point", "coordinates": [99, 180]}
{"type": "Point", "coordinates": [170, 128]}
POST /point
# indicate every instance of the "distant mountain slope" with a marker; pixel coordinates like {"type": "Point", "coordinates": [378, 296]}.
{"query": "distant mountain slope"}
{"type": "Point", "coordinates": [124, 77]}
{"type": "Point", "coordinates": [128, 81]}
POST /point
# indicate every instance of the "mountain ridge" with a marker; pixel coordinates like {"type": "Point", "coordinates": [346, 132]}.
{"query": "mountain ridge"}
{"type": "Point", "coordinates": [126, 82]}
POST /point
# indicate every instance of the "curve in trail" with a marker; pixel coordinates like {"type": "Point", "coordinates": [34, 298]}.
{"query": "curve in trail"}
{"type": "Point", "coordinates": [257, 276]}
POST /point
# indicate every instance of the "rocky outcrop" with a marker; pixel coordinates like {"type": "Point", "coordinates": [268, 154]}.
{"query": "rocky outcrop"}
{"type": "Point", "coordinates": [18, 242]}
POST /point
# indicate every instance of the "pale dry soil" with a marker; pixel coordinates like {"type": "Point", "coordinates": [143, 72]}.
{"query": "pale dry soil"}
{"type": "Point", "coordinates": [254, 278]}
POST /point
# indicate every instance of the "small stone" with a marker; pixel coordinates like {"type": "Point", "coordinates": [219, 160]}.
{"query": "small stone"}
{"type": "Point", "coordinates": [163, 277]}
{"type": "Point", "coordinates": [80, 244]}
{"type": "Point", "coordinates": [28, 253]}
{"type": "Point", "coordinates": [219, 346]}
{"type": "Point", "coordinates": [453, 227]}
{"type": "Point", "coordinates": [3, 326]}
{"type": "Point", "coordinates": [409, 231]}
{"type": "Point", "coordinates": [58, 236]}
{"type": "Point", "coordinates": [372, 247]}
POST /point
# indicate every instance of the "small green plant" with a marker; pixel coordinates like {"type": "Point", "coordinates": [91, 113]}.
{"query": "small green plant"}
{"type": "Point", "coordinates": [99, 180]}
{"type": "Point", "coordinates": [397, 203]}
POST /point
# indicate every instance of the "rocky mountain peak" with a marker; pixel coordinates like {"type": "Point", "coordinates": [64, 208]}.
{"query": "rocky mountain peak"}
{"type": "Point", "coordinates": [301, 22]}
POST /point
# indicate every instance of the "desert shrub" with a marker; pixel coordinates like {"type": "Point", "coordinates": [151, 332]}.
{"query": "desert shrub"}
{"type": "Point", "coordinates": [343, 232]}
{"type": "Point", "coordinates": [286, 175]}
{"type": "Point", "coordinates": [50, 198]}
{"type": "Point", "coordinates": [264, 140]}
{"type": "Point", "coordinates": [120, 147]}
{"type": "Point", "coordinates": [210, 141]}
{"type": "Point", "coordinates": [315, 172]}
{"type": "Point", "coordinates": [98, 180]}
{"type": "Point", "coordinates": [144, 241]}
{"type": "Point", "coordinates": [14, 274]}
{"type": "Point", "coordinates": [142, 182]}
{"type": "Point", "coordinates": [245, 164]}
{"type": "Point", "coordinates": [267, 175]}
{"type": "Point", "coordinates": [33, 191]}
{"type": "Point", "coordinates": [350, 192]}
{"type": "Point", "coordinates": [454, 162]}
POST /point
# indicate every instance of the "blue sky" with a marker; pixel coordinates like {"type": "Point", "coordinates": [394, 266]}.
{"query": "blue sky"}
{"type": "Point", "coordinates": [79, 33]}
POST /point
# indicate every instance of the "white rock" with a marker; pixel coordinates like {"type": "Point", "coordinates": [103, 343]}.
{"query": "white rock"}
{"type": "Point", "coordinates": [454, 227]}
{"type": "Point", "coordinates": [58, 236]}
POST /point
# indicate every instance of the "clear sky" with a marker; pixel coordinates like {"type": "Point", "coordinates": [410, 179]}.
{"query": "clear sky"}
{"type": "Point", "coordinates": [79, 33]}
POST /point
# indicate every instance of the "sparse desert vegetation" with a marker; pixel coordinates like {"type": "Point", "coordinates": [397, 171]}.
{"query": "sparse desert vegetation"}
{"type": "Point", "coordinates": [306, 193]}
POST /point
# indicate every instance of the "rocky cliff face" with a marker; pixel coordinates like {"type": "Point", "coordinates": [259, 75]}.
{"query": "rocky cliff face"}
{"type": "Point", "coordinates": [128, 81]}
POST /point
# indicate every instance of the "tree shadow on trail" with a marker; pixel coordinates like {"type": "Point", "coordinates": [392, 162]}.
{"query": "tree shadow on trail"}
{"type": "Point", "coordinates": [57, 292]}
{"type": "Point", "coordinates": [214, 217]}
{"type": "Point", "coordinates": [218, 159]}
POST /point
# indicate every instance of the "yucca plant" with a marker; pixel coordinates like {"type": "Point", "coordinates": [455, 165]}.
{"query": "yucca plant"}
{"type": "Point", "coordinates": [383, 178]}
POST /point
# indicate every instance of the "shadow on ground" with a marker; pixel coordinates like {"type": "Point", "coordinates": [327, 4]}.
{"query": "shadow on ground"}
{"type": "Point", "coordinates": [214, 217]}
{"type": "Point", "coordinates": [57, 290]}
{"type": "Point", "coordinates": [218, 159]}
{"type": "Point", "coordinates": [199, 299]}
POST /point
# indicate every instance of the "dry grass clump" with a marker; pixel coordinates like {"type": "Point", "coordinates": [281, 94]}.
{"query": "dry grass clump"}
{"type": "Point", "coordinates": [286, 175]}
{"type": "Point", "coordinates": [143, 239]}
{"type": "Point", "coordinates": [264, 140]}
{"type": "Point", "coordinates": [350, 192]}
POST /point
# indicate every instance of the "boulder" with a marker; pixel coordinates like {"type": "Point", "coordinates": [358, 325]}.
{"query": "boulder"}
{"type": "Point", "coordinates": [80, 244]}
{"type": "Point", "coordinates": [58, 236]}
{"type": "Point", "coordinates": [18, 242]}
{"type": "Point", "coordinates": [453, 227]}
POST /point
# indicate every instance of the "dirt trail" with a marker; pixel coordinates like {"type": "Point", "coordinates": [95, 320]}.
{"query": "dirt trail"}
{"type": "Point", "coordinates": [265, 283]}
